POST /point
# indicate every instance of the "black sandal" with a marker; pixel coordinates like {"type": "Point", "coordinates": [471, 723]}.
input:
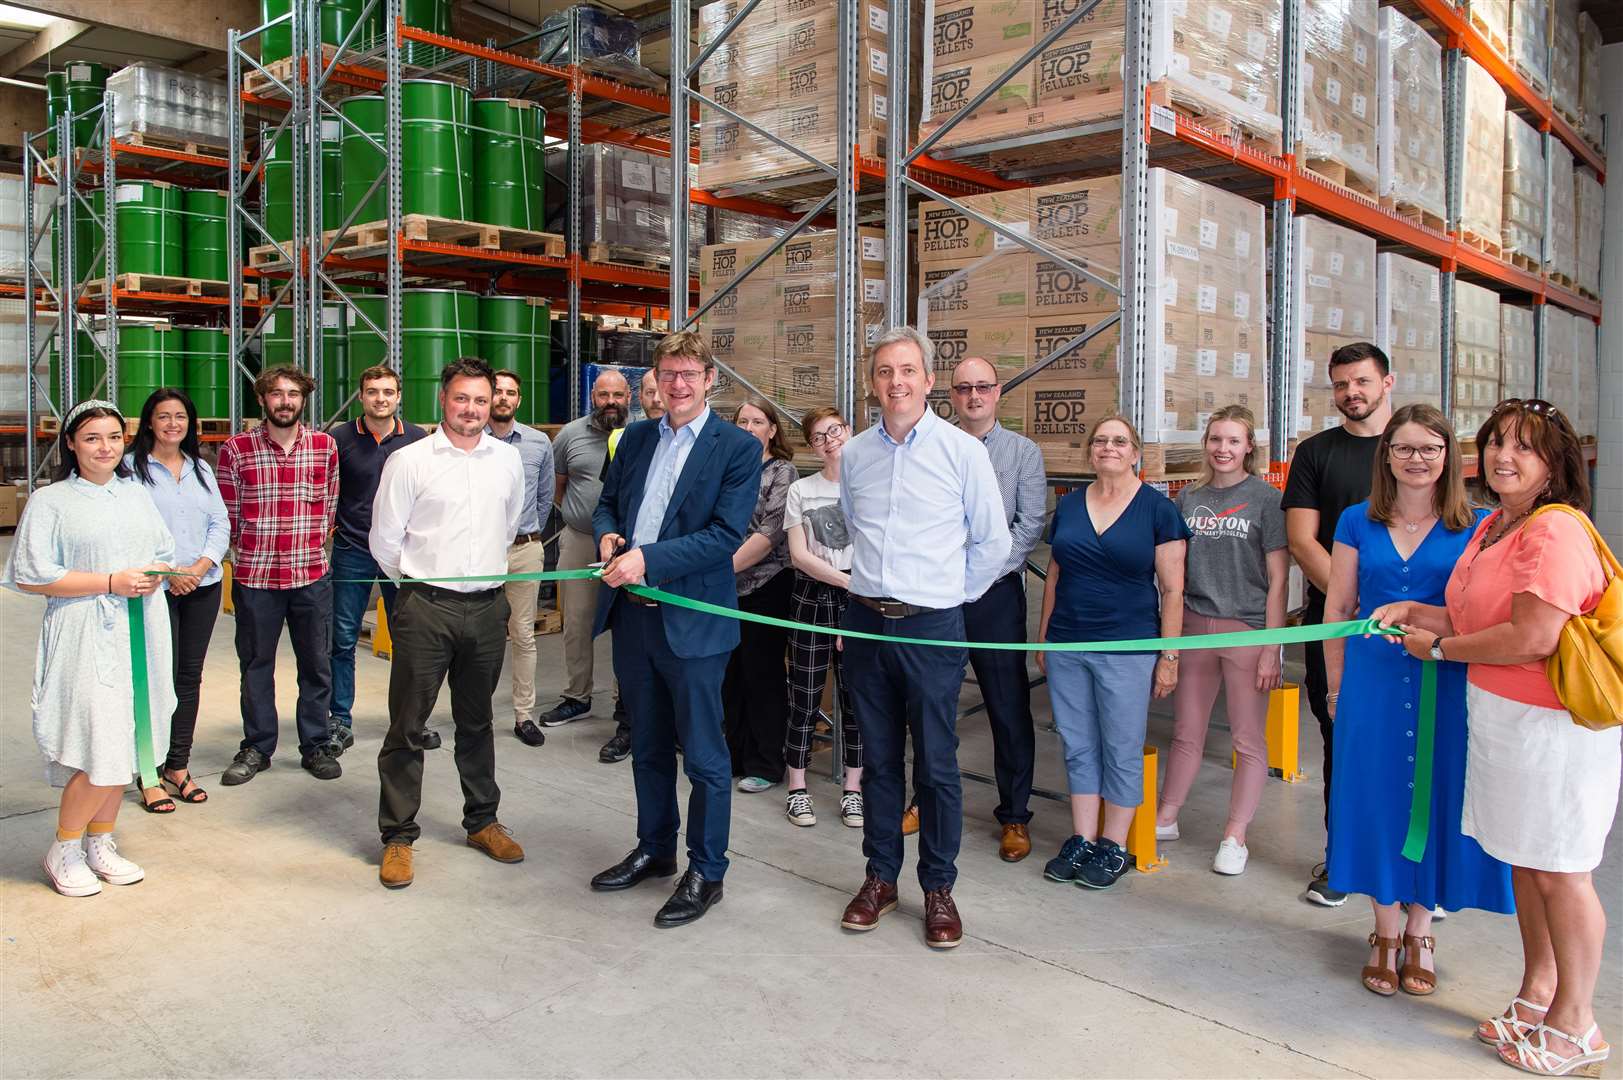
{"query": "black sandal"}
{"type": "Point", "coordinates": [165, 805]}
{"type": "Point", "coordinates": [198, 795]}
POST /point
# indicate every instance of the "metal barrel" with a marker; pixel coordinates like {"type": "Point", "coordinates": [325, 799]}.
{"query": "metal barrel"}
{"type": "Point", "coordinates": [440, 325]}
{"type": "Point", "coordinates": [56, 103]}
{"type": "Point", "coordinates": [335, 365]}
{"type": "Point", "coordinates": [205, 369]}
{"type": "Point", "coordinates": [431, 15]}
{"type": "Point", "coordinates": [151, 234]}
{"type": "Point", "coordinates": [86, 83]}
{"type": "Point", "coordinates": [508, 163]}
{"type": "Point", "coordinates": [278, 190]}
{"type": "Point", "coordinates": [149, 356]}
{"type": "Point", "coordinates": [337, 16]}
{"type": "Point", "coordinates": [361, 162]}
{"type": "Point", "coordinates": [438, 173]}
{"type": "Point", "coordinates": [205, 235]}
{"type": "Point", "coordinates": [515, 332]}
{"type": "Point", "coordinates": [332, 173]}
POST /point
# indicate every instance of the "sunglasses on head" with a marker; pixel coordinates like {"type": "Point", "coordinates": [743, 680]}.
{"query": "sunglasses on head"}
{"type": "Point", "coordinates": [1532, 405]}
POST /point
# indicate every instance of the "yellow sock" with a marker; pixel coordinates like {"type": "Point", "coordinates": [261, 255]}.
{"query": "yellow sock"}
{"type": "Point", "coordinates": [100, 828]}
{"type": "Point", "coordinates": [64, 835]}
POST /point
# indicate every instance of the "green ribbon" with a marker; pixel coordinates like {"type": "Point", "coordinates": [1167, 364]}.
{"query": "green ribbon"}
{"type": "Point", "coordinates": [145, 757]}
{"type": "Point", "coordinates": [1414, 845]}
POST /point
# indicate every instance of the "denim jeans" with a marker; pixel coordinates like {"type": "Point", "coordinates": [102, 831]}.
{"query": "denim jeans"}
{"type": "Point", "coordinates": [350, 599]}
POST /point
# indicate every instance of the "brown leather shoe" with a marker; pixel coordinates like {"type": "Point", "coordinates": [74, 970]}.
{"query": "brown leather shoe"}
{"type": "Point", "coordinates": [910, 821]}
{"type": "Point", "coordinates": [494, 840]}
{"type": "Point", "coordinates": [395, 873]}
{"type": "Point", "coordinates": [942, 927]}
{"type": "Point", "coordinates": [876, 898]}
{"type": "Point", "coordinates": [1016, 843]}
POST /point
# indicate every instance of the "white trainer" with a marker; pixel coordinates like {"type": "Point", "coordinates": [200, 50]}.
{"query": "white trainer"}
{"type": "Point", "coordinates": [1166, 832]}
{"type": "Point", "coordinates": [1231, 857]}
{"type": "Point", "coordinates": [101, 855]}
{"type": "Point", "coordinates": [65, 866]}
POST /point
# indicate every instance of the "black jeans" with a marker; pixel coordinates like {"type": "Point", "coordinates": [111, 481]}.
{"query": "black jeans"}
{"type": "Point", "coordinates": [191, 625]}
{"type": "Point", "coordinates": [755, 693]}
{"type": "Point", "coordinates": [307, 613]}
{"type": "Point", "coordinates": [1000, 615]}
{"type": "Point", "coordinates": [1318, 685]}
{"type": "Point", "coordinates": [438, 632]}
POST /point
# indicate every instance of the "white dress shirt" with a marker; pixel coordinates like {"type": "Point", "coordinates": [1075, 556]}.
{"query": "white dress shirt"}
{"type": "Point", "coordinates": [443, 512]}
{"type": "Point", "coordinates": [664, 471]}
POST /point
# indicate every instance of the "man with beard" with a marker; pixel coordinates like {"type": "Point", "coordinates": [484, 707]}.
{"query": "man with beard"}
{"type": "Point", "coordinates": [652, 407]}
{"type": "Point", "coordinates": [580, 457]}
{"type": "Point", "coordinates": [363, 446]}
{"type": "Point", "coordinates": [528, 555]}
{"type": "Point", "coordinates": [1329, 472]}
{"type": "Point", "coordinates": [280, 486]}
{"type": "Point", "coordinates": [448, 507]}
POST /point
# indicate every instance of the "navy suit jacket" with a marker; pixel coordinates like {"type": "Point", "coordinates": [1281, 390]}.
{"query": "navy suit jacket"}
{"type": "Point", "coordinates": [706, 521]}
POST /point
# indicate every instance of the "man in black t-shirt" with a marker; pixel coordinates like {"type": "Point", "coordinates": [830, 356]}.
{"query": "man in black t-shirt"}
{"type": "Point", "coordinates": [1329, 472]}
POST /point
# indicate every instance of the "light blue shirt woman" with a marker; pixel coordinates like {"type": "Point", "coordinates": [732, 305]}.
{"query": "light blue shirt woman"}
{"type": "Point", "coordinates": [194, 512]}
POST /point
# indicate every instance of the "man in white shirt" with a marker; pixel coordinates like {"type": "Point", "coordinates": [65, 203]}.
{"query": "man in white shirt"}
{"type": "Point", "coordinates": [447, 507]}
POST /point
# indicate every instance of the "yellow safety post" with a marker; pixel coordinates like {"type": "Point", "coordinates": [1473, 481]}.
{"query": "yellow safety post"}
{"type": "Point", "coordinates": [382, 645]}
{"type": "Point", "coordinates": [1284, 735]}
{"type": "Point", "coordinates": [226, 605]}
{"type": "Point", "coordinates": [1141, 833]}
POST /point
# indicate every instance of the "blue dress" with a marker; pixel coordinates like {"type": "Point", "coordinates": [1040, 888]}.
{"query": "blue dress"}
{"type": "Point", "coordinates": [1375, 736]}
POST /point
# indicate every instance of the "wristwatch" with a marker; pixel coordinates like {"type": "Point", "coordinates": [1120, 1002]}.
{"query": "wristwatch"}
{"type": "Point", "coordinates": [1170, 656]}
{"type": "Point", "coordinates": [1437, 650]}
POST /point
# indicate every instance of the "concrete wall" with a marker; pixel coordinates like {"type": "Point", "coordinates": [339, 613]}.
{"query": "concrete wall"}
{"type": "Point", "coordinates": [1609, 471]}
{"type": "Point", "coordinates": [21, 110]}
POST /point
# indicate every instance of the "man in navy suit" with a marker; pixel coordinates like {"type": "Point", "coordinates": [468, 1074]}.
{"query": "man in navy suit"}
{"type": "Point", "coordinates": [676, 504]}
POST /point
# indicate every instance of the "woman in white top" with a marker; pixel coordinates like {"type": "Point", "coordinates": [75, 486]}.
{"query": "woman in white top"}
{"type": "Point", "coordinates": [820, 551]}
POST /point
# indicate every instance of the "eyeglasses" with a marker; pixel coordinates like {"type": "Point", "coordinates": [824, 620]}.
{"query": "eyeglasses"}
{"type": "Point", "coordinates": [1404, 452]}
{"type": "Point", "coordinates": [1120, 442]}
{"type": "Point", "coordinates": [967, 388]}
{"type": "Point", "coordinates": [691, 376]}
{"type": "Point", "coordinates": [831, 434]}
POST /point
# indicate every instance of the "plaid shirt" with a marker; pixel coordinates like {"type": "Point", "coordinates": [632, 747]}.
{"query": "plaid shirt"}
{"type": "Point", "coordinates": [282, 506]}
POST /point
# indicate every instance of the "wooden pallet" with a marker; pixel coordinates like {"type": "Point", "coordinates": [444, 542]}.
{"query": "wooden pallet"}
{"type": "Point", "coordinates": [627, 256]}
{"type": "Point", "coordinates": [1334, 172]}
{"type": "Point", "coordinates": [1414, 215]}
{"type": "Point", "coordinates": [372, 238]}
{"type": "Point", "coordinates": [1532, 266]}
{"type": "Point", "coordinates": [1482, 243]}
{"type": "Point", "coordinates": [1488, 35]}
{"type": "Point", "coordinates": [1564, 281]}
{"type": "Point", "coordinates": [1224, 127]}
{"type": "Point", "coordinates": [173, 286]}
{"type": "Point", "coordinates": [160, 141]}
{"type": "Point", "coordinates": [218, 425]}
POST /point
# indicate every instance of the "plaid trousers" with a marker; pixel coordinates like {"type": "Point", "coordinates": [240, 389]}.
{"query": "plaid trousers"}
{"type": "Point", "coordinates": [810, 655]}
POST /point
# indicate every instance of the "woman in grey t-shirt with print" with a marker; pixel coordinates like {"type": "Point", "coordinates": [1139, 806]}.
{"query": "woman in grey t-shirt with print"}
{"type": "Point", "coordinates": [1234, 579]}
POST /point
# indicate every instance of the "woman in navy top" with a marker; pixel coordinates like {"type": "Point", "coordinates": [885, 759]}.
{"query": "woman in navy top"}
{"type": "Point", "coordinates": [1116, 574]}
{"type": "Point", "coordinates": [166, 458]}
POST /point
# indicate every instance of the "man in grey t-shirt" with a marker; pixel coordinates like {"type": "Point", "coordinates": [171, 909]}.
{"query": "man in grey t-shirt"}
{"type": "Point", "coordinates": [579, 454]}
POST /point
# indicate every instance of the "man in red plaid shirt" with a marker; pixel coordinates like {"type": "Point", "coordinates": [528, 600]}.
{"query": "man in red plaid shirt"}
{"type": "Point", "coordinates": [280, 485]}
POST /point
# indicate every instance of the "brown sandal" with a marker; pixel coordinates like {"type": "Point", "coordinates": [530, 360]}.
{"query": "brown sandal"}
{"type": "Point", "coordinates": [1413, 978]}
{"type": "Point", "coordinates": [1386, 973]}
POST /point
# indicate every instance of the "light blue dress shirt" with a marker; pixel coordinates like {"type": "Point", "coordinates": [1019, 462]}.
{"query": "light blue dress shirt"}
{"type": "Point", "coordinates": [663, 472]}
{"type": "Point", "coordinates": [535, 450]}
{"type": "Point", "coordinates": [195, 515]}
{"type": "Point", "coordinates": [925, 515]}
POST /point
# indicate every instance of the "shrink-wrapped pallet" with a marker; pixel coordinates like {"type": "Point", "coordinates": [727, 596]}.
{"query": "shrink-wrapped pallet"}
{"type": "Point", "coordinates": [1411, 115]}
{"type": "Point", "coordinates": [1337, 90]}
{"type": "Point", "coordinates": [1334, 297]}
{"type": "Point", "coordinates": [1589, 205]}
{"type": "Point", "coordinates": [1561, 348]}
{"type": "Point", "coordinates": [1516, 351]}
{"type": "Point", "coordinates": [1586, 377]}
{"type": "Point", "coordinates": [1476, 356]}
{"type": "Point", "coordinates": [1589, 91]}
{"type": "Point", "coordinates": [1565, 79]}
{"type": "Point", "coordinates": [1530, 41]}
{"type": "Point", "coordinates": [1482, 208]}
{"type": "Point", "coordinates": [1523, 226]}
{"type": "Point", "coordinates": [1408, 327]}
{"type": "Point", "coordinates": [1562, 262]}
{"type": "Point", "coordinates": [13, 245]}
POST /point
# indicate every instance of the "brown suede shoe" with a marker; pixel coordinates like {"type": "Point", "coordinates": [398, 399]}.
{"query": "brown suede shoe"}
{"type": "Point", "coordinates": [395, 873]}
{"type": "Point", "coordinates": [875, 898]}
{"type": "Point", "coordinates": [1016, 843]}
{"type": "Point", "coordinates": [494, 840]}
{"type": "Point", "coordinates": [910, 821]}
{"type": "Point", "coordinates": [942, 927]}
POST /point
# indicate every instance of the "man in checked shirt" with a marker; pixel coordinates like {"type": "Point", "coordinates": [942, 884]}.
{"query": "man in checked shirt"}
{"type": "Point", "coordinates": [280, 485]}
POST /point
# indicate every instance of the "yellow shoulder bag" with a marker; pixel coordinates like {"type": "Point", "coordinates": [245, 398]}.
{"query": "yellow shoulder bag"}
{"type": "Point", "coordinates": [1587, 666]}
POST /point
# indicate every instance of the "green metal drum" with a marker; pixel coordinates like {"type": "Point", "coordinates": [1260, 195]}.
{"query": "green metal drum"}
{"type": "Point", "coordinates": [149, 356]}
{"type": "Point", "coordinates": [508, 163]}
{"type": "Point", "coordinates": [277, 190]}
{"type": "Point", "coordinates": [360, 161]}
{"type": "Point", "coordinates": [431, 15]}
{"type": "Point", "coordinates": [337, 16]}
{"type": "Point", "coordinates": [516, 333]}
{"type": "Point", "coordinates": [205, 235]}
{"type": "Point", "coordinates": [151, 230]}
{"type": "Point", "coordinates": [440, 325]}
{"type": "Point", "coordinates": [205, 369]}
{"type": "Point", "coordinates": [56, 103]}
{"type": "Point", "coordinates": [437, 164]}
{"type": "Point", "coordinates": [332, 173]}
{"type": "Point", "coordinates": [89, 367]}
{"type": "Point", "coordinates": [86, 83]}
{"type": "Point", "coordinates": [278, 352]}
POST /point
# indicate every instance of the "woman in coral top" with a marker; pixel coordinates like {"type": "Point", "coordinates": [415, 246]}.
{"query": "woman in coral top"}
{"type": "Point", "coordinates": [1540, 790]}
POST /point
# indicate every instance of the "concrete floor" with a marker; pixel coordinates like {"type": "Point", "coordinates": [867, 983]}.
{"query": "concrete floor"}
{"type": "Point", "coordinates": [261, 943]}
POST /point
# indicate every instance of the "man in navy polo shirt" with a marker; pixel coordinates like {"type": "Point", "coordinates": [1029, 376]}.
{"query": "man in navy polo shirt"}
{"type": "Point", "coordinates": [363, 446]}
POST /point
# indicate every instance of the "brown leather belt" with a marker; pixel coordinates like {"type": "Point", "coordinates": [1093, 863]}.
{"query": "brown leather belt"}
{"type": "Point", "coordinates": [527, 538]}
{"type": "Point", "coordinates": [892, 608]}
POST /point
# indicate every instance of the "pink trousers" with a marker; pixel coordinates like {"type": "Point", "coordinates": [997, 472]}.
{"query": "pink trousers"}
{"type": "Point", "coordinates": [1201, 673]}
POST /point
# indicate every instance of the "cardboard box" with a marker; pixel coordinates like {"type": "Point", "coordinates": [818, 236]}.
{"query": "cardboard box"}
{"type": "Point", "coordinates": [1096, 359]}
{"type": "Point", "coordinates": [1083, 215]}
{"type": "Point", "coordinates": [1085, 67]}
{"type": "Point", "coordinates": [980, 289]}
{"type": "Point", "coordinates": [946, 234]}
{"type": "Point", "coordinates": [1054, 289]}
{"type": "Point", "coordinates": [964, 30]}
{"type": "Point", "coordinates": [1061, 414]}
{"type": "Point", "coordinates": [955, 85]}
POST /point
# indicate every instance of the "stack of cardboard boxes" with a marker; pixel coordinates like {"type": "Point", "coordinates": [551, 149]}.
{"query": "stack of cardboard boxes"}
{"type": "Point", "coordinates": [1530, 41]}
{"type": "Point", "coordinates": [1482, 209]}
{"type": "Point", "coordinates": [1589, 81]}
{"type": "Point", "coordinates": [1476, 356]}
{"type": "Point", "coordinates": [1408, 325]}
{"type": "Point", "coordinates": [1411, 116]}
{"type": "Point", "coordinates": [1562, 253]}
{"type": "Point", "coordinates": [1338, 98]}
{"type": "Point", "coordinates": [1560, 368]}
{"type": "Point", "coordinates": [1566, 92]}
{"type": "Point", "coordinates": [1523, 226]}
{"type": "Point", "coordinates": [1589, 211]}
{"type": "Point", "coordinates": [1516, 351]}
{"type": "Point", "coordinates": [1334, 295]}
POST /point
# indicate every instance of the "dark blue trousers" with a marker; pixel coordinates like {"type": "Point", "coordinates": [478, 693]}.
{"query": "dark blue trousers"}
{"type": "Point", "coordinates": [673, 699]}
{"type": "Point", "coordinates": [900, 689]}
{"type": "Point", "coordinates": [1000, 615]}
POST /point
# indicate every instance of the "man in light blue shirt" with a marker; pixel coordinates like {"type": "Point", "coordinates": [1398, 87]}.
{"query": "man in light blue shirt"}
{"type": "Point", "coordinates": [928, 534]}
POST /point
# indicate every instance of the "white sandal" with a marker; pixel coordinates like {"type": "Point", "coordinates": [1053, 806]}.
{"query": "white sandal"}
{"type": "Point", "coordinates": [1533, 1054]}
{"type": "Point", "coordinates": [1511, 1028]}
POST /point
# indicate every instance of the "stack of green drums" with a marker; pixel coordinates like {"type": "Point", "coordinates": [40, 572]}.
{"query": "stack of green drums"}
{"type": "Point", "coordinates": [151, 229]}
{"type": "Point", "coordinates": [437, 157]}
{"type": "Point", "coordinates": [515, 333]}
{"type": "Point", "coordinates": [149, 356]}
{"type": "Point", "coordinates": [439, 326]}
{"type": "Point", "coordinates": [277, 189]}
{"type": "Point", "coordinates": [337, 16]}
{"type": "Point", "coordinates": [335, 352]}
{"type": "Point", "coordinates": [205, 236]}
{"type": "Point", "coordinates": [206, 369]}
{"type": "Point", "coordinates": [508, 163]}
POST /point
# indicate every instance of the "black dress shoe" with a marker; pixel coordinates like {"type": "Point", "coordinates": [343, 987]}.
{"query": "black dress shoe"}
{"type": "Point", "coordinates": [244, 767]}
{"type": "Point", "coordinates": [635, 868]}
{"type": "Point", "coordinates": [693, 897]}
{"type": "Point", "coordinates": [618, 748]}
{"type": "Point", "coordinates": [529, 734]}
{"type": "Point", "coordinates": [430, 739]}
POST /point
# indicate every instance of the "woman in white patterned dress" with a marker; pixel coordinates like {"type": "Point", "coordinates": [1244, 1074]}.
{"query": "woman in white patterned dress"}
{"type": "Point", "coordinates": [85, 543]}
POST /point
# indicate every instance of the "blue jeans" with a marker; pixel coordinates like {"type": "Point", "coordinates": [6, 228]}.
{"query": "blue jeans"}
{"type": "Point", "coordinates": [349, 602]}
{"type": "Point", "coordinates": [1101, 707]}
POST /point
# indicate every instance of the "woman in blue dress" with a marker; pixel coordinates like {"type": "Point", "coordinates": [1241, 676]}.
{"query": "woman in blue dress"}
{"type": "Point", "coordinates": [1402, 545]}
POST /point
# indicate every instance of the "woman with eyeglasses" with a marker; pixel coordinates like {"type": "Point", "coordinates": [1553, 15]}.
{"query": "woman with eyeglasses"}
{"type": "Point", "coordinates": [756, 708]}
{"type": "Point", "coordinates": [820, 549]}
{"type": "Point", "coordinates": [1116, 574]}
{"type": "Point", "coordinates": [1540, 789]}
{"type": "Point", "coordinates": [1400, 545]}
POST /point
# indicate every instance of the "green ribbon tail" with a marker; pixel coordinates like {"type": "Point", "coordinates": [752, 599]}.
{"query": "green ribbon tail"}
{"type": "Point", "coordinates": [1414, 845]}
{"type": "Point", "coordinates": [145, 755]}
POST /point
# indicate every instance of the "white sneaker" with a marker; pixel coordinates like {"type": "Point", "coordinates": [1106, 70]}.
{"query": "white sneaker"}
{"type": "Point", "coordinates": [1230, 858]}
{"type": "Point", "coordinates": [752, 785]}
{"type": "Point", "coordinates": [1166, 832]}
{"type": "Point", "coordinates": [65, 866]}
{"type": "Point", "coordinates": [103, 859]}
{"type": "Point", "coordinates": [798, 809]}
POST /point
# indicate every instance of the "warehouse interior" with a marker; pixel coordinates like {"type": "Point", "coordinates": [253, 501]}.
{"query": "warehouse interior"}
{"type": "Point", "coordinates": [1166, 207]}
